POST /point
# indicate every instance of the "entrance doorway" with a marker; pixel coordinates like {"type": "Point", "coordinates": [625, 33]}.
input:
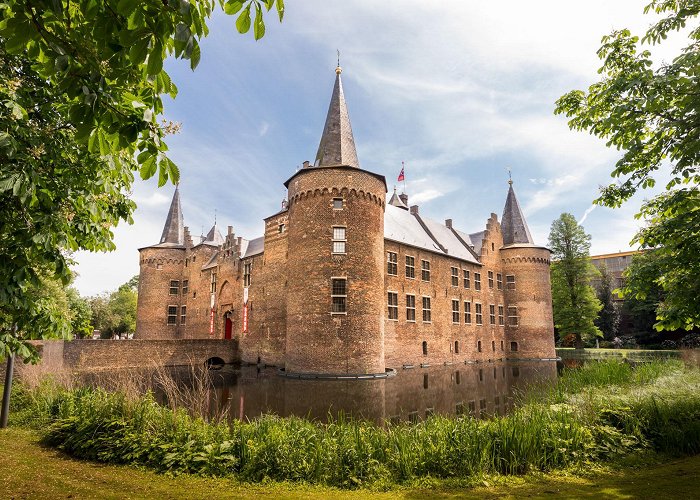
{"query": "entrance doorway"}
{"type": "Point", "coordinates": [228, 328]}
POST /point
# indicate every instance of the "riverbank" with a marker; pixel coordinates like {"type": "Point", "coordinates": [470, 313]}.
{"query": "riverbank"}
{"type": "Point", "coordinates": [31, 471]}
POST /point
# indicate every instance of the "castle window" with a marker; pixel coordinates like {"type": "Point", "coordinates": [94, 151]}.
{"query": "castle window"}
{"type": "Point", "coordinates": [339, 295]}
{"type": "Point", "coordinates": [454, 274]}
{"type": "Point", "coordinates": [514, 346]}
{"type": "Point", "coordinates": [280, 228]}
{"type": "Point", "coordinates": [492, 314]}
{"type": "Point", "coordinates": [393, 300]}
{"type": "Point", "coordinates": [467, 312]}
{"type": "Point", "coordinates": [490, 275]}
{"type": "Point", "coordinates": [339, 239]}
{"type": "Point", "coordinates": [247, 267]}
{"type": "Point", "coordinates": [183, 315]}
{"type": "Point", "coordinates": [410, 307]}
{"type": "Point", "coordinates": [425, 348]}
{"type": "Point", "coordinates": [172, 315]}
{"type": "Point", "coordinates": [493, 348]}
{"type": "Point", "coordinates": [159, 266]}
{"type": "Point", "coordinates": [479, 318]}
{"type": "Point", "coordinates": [425, 270]}
{"type": "Point", "coordinates": [500, 315]}
{"type": "Point", "coordinates": [512, 315]}
{"type": "Point", "coordinates": [174, 287]}
{"type": "Point", "coordinates": [392, 265]}
{"type": "Point", "coordinates": [337, 203]}
{"type": "Point", "coordinates": [499, 281]}
{"type": "Point", "coordinates": [510, 282]}
{"type": "Point", "coordinates": [185, 287]}
{"type": "Point", "coordinates": [465, 277]}
{"type": "Point", "coordinates": [478, 349]}
{"type": "Point", "coordinates": [477, 281]}
{"type": "Point", "coordinates": [457, 352]}
{"type": "Point", "coordinates": [410, 267]}
{"type": "Point", "coordinates": [212, 284]}
{"type": "Point", "coordinates": [194, 295]}
{"type": "Point", "coordinates": [472, 407]}
{"type": "Point", "coordinates": [455, 311]}
{"type": "Point", "coordinates": [502, 348]}
{"type": "Point", "coordinates": [426, 310]}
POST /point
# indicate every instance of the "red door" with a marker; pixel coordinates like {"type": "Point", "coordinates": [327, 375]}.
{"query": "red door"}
{"type": "Point", "coordinates": [228, 328]}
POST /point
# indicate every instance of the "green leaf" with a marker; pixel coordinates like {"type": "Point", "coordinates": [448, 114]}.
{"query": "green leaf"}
{"type": "Point", "coordinates": [280, 9]}
{"type": "Point", "coordinates": [155, 59]}
{"type": "Point", "coordinates": [233, 6]}
{"type": "Point", "coordinates": [259, 26]}
{"type": "Point", "coordinates": [126, 7]}
{"type": "Point", "coordinates": [148, 167]}
{"type": "Point", "coordinates": [195, 56]}
{"type": "Point", "coordinates": [138, 51]}
{"type": "Point", "coordinates": [243, 21]}
{"type": "Point", "coordinates": [182, 32]}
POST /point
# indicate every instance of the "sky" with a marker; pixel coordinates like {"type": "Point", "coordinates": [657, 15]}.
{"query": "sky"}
{"type": "Point", "coordinates": [460, 91]}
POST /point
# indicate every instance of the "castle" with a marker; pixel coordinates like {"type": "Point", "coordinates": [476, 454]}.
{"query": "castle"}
{"type": "Point", "coordinates": [344, 282]}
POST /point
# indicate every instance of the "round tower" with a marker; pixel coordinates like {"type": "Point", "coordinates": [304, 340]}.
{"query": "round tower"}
{"type": "Point", "coordinates": [159, 310]}
{"type": "Point", "coordinates": [528, 292]}
{"type": "Point", "coordinates": [335, 299]}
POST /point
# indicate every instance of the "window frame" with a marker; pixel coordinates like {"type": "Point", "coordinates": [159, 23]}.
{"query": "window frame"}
{"type": "Point", "coordinates": [393, 307]}
{"type": "Point", "coordinates": [411, 266]}
{"type": "Point", "coordinates": [499, 281]}
{"type": "Point", "coordinates": [466, 278]}
{"type": "Point", "coordinates": [513, 319]}
{"type": "Point", "coordinates": [456, 314]}
{"type": "Point", "coordinates": [392, 264]}
{"type": "Point", "coordinates": [339, 241]}
{"type": "Point", "coordinates": [185, 284]}
{"type": "Point", "coordinates": [183, 315]}
{"type": "Point", "coordinates": [425, 270]}
{"type": "Point", "coordinates": [343, 296]}
{"type": "Point", "coordinates": [333, 203]}
{"type": "Point", "coordinates": [479, 314]}
{"type": "Point", "coordinates": [492, 314]}
{"type": "Point", "coordinates": [510, 282]}
{"type": "Point", "coordinates": [247, 273]}
{"type": "Point", "coordinates": [501, 315]}
{"type": "Point", "coordinates": [410, 309]}
{"type": "Point", "coordinates": [489, 276]}
{"type": "Point", "coordinates": [467, 312]}
{"type": "Point", "coordinates": [427, 310]}
{"type": "Point", "coordinates": [477, 282]}
{"type": "Point", "coordinates": [454, 276]}
{"type": "Point", "coordinates": [171, 312]}
{"type": "Point", "coordinates": [174, 285]}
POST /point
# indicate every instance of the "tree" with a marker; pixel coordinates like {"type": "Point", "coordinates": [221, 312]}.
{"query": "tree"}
{"type": "Point", "coordinates": [574, 303]}
{"type": "Point", "coordinates": [608, 316]}
{"type": "Point", "coordinates": [651, 115]}
{"type": "Point", "coordinates": [115, 313]}
{"type": "Point", "coordinates": [80, 314]}
{"type": "Point", "coordinates": [80, 99]}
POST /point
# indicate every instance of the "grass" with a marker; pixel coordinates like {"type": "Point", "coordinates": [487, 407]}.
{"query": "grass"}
{"type": "Point", "coordinates": [30, 471]}
{"type": "Point", "coordinates": [602, 412]}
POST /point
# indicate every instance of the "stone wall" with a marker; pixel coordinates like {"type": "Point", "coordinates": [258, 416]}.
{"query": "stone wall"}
{"type": "Point", "coordinates": [114, 354]}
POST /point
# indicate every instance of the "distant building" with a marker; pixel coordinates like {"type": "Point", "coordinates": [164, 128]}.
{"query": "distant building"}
{"type": "Point", "coordinates": [616, 264]}
{"type": "Point", "coordinates": [345, 282]}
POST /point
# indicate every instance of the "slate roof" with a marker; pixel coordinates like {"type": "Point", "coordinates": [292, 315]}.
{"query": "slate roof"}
{"type": "Point", "coordinates": [397, 201]}
{"type": "Point", "coordinates": [213, 238]}
{"type": "Point", "coordinates": [252, 247]}
{"type": "Point", "coordinates": [337, 146]}
{"type": "Point", "coordinates": [403, 227]}
{"type": "Point", "coordinates": [513, 223]}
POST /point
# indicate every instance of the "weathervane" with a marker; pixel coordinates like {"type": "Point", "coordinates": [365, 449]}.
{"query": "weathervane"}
{"type": "Point", "coordinates": [510, 177]}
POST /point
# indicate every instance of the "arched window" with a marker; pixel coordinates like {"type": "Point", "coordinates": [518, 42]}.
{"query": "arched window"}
{"type": "Point", "coordinates": [478, 345]}
{"type": "Point", "coordinates": [456, 346]}
{"type": "Point", "coordinates": [425, 348]}
{"type": "Point", "coordinates": [514, 346]}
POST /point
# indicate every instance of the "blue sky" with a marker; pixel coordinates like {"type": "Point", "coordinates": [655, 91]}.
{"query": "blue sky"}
{"type": "Point", "coordinates": [459, 91]}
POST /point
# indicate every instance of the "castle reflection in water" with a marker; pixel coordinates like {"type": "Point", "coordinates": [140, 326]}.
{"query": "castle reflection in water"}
{"type": "Point", "coordinates": [482, 389]}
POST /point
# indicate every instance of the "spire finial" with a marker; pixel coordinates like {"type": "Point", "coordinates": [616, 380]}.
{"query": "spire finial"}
{"type": "Point", "coordinates": [338, 69]}
{"type": "Point", "coordinates": [215, 217]}
{"type": "Point", "coordinates": [510, 177]}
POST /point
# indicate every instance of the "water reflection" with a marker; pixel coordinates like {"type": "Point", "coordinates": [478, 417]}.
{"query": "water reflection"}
{"type": "Point", "coordinates": [481, 390]}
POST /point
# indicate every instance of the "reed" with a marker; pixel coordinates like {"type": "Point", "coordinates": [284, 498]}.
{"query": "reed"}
{"type": "Point", "coordinates": [594, 414]}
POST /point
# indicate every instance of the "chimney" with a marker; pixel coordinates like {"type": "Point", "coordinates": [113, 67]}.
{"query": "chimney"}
{"type": "Point", "coordinates": [306, 164]}
{"type": "Point", "coordinates": [188, 237]}
{"type": "Point", "coordinates": [230, 230]}
{"type": "Point", "coordinates": [414, 210]}
{"type": "Point", "coordinates": [404, 198]}
{"type": "Point", "coordinates": [448, 223]}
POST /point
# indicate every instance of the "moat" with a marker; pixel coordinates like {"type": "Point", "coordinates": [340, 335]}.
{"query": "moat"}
{"type": "Point", "coordinates": [481, 389]}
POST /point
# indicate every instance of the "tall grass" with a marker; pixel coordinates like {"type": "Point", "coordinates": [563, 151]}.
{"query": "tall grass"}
{"type": "Point", "coordinates": [596, 413]}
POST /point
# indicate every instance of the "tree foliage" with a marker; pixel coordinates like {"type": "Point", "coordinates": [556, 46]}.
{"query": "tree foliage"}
{"type": "Point", "coordinates": [651, 114]}
{"type": "Point", "coordinates": [115, 313]}
{"type": "Point", "coordinates": [608, 316]}
{"type": "Point", "coordinates": [80, 99]}
{"type": "Point", "coordinates": [575, 306]}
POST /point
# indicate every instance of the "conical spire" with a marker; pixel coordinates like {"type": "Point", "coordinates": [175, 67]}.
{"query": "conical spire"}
{"type": "Point", "coordinates": [513, 225]}
{"type": "Point", "coordinates": [337, 145]}
{"type": "Point", "coordinates": [174, 229]}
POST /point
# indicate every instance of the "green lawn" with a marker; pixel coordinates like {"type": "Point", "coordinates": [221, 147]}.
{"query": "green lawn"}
{"type": "Point", "coordinates": [28, 470]}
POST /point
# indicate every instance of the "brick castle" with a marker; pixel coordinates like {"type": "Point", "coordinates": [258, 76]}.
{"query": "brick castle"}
{"type": "Point", "coordinates": [344, 282]}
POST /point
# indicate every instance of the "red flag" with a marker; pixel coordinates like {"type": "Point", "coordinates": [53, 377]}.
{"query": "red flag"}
{"type": "Point", "coordinates": [401, 176]}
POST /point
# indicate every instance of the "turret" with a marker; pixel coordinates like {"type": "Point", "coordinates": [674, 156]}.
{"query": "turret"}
{"type": "Point", "coordinates": [528, 295]}
{"type": "Point", "coordinates": [160, 301]}
{"type": "Point", "coordinates": [335, 301]}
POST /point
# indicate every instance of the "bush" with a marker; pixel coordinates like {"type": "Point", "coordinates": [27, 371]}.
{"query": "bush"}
{"type": "Point", "coordinates": [691, 341]}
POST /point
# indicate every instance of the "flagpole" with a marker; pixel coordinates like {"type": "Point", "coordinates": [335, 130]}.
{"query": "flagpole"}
{"type": "Point", "coordinates": [404, 176]}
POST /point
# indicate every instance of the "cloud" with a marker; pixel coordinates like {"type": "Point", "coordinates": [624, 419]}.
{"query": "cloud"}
{"type": "Point", "coordinates": [263, 128]}
{"type": "Point", "coordinates": [586, 214]}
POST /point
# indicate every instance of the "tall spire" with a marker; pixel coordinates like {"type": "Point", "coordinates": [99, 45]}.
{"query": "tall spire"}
{"type": "Point", "coordinates": [174, 230]}
{"type": "Point", "coordinates": [337, 145]}
{"type": "Point", "coordinates": [513, 225]}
